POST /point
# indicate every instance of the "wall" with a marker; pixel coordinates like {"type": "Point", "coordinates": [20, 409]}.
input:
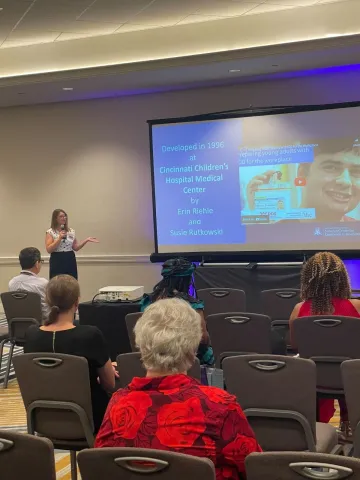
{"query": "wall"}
{"type": "Point", "coordinates": [92, 159]}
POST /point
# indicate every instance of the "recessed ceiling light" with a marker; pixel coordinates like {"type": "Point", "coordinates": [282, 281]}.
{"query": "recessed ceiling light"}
{"type": "Point", "coordinates": [68, 89]}
{"type": "Point", "coordinates": [235, 70]}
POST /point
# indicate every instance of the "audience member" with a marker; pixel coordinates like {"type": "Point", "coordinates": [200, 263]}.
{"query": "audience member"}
{"type": "Point", "coordinates": [29, 280]}
{"type": "Point", "coordinates": [325, 290]}
{"type": "Point", "coordinates": [178, 282]}
{"type": "Point", "coordinates": [167, 410]}
{"type": "Point", "coordinates": [60, 335]}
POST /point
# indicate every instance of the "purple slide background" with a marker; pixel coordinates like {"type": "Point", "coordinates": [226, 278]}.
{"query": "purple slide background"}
{"type": "Point", "coordinates": [223, 197]}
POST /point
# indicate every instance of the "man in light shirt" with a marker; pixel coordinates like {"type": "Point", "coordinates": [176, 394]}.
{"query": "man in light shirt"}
{"type": "Point", "coordinates": [28, 280]}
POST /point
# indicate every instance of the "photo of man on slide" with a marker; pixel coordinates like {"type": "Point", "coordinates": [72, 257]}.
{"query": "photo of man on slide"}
{"type": "Point", "coordinates": [330, 184]}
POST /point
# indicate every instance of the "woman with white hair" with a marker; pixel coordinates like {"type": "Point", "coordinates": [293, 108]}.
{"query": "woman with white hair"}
{"type": "Point", "coordinates": [168, 410]}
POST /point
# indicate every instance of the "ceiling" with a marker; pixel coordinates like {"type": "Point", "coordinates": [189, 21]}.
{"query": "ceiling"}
{"type": "Point", "coordinates": [29, 22]}
{"type": "Point", "coordinates": [102, 48]}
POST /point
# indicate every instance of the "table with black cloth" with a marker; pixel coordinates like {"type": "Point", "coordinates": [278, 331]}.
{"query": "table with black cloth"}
{"type": "Point", "coordinates": [110, 319]}
{"type": "Point", "coordinates": [251, 280]}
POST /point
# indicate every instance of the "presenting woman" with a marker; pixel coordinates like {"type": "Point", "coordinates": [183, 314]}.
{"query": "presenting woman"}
{"type": "Point", "coordinates": [61, 243]}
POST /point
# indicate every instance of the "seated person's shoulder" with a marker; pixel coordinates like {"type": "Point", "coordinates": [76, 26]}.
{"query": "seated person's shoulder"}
{"type": "Point", "coordinates": [219, 396]}
{"type": "Point", "coordinates": [32, 332]}
{"type": "Point", "coordinates": [296, 310]}
{"type": "Point", "coordinates": [145, 302]}
{"type": "Point", "coordinates": [89, 331]}
{"type": "Point", "coordinates": [197, 304]}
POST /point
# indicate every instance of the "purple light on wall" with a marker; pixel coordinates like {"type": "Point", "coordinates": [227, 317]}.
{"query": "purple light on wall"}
{"type": "Point", "coordinates": [353, 268]}
{"type": "Point", "coordinates": [318, 71]}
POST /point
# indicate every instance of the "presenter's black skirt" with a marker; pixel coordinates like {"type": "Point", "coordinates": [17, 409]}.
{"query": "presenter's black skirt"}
{"type": "Point", "coordinates": [63, 263]}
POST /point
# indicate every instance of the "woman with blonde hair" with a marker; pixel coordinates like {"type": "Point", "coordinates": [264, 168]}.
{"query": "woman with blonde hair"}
{"type": "Point", "coordinates": [60, 335]}
{"type": "Point", "coordinates": [178, 282]}
{"type": "Point", "coordinates": [326, 290]}
{"type": "Point", "coordinates": [61, 243]}
{"type": "Point", "coordinates": [168, 410]}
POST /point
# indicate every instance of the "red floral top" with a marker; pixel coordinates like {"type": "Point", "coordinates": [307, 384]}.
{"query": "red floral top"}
{"type": "Point", "coordinates": [178, 413]}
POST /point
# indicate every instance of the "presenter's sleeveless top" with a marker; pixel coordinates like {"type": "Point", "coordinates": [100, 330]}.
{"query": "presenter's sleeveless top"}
{"type": "Point", "coordinates": [63, 260]}
{"type": "Point", "coordinates": [341, 306]}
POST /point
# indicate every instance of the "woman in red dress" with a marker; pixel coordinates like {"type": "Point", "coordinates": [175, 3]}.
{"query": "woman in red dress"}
{"type": "Point", "coordinates": [168, 410]}
{"type": "Point", "coordinates": [325, 290]}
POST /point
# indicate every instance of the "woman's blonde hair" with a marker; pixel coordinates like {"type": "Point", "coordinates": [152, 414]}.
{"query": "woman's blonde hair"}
{"type": "Point", "coordinates": [54, 223]}
{"type": "Point", "coordinates": [168, 336]}
{"type": "Point", "coordinates": [62, 293]}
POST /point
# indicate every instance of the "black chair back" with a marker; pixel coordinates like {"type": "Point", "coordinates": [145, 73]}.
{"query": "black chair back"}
{"type": "Point", "coordinates": [130, 320]}
{"type": "Point", "coordinates": [278, 395]}
{"type": "Point", "coordinates": [140, 463]}
{"type": "Point", "coordinates": [26, 456]}
{"type": "Point", "coordinates": [237, 332]}
{"type": "Point", "coordinates": [220, 300]}
{"type": "Point", "coordinates": [328, 340]}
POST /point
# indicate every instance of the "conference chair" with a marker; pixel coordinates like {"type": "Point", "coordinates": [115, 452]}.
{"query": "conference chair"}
{"type": "Point", "coordinates": [298, 465]}
{"type": "Point", "coordinates": [26, 456]}
{"type": "Point", "coordinates": [235, 332]}
{"type": "Point", "coordinates": [220, 300]}
{"type": "Point", "coordinates": [130, 320]}
{"type": "Point", "coordinates": [328, 341]}
{"type": "Point", "coordinates": [21, 309]}
{"type": "Point", "coordinates": [278, 396]}
{"type": "Point", "coordinates": [142, 463]}
{"type": "Point", "coordinates": [129, 365]}
{"type": "Point", "coordinates": [355, 293]}
{"type": "Point", "coordinates": [4, 338]}
{"type": "Point", "coordinates": [350, 372]}
{"type": "Point", "coordinates": [278, 303]}
{"type": "Point", "coordinates": [56, 393]}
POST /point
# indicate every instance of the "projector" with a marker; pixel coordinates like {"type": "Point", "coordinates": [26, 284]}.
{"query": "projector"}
{"type": "Point", "coordinates": [121, 294]}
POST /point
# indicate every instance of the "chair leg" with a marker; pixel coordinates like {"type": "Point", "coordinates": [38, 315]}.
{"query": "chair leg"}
{"type": "Point", "coordinates": [73, 465]}
{"type": "Point", "coordinates": [7, 373]}
{"type": "Point", "coordinates": [2, 349]}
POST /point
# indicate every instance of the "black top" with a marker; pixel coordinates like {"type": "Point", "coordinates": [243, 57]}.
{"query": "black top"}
{"type": "Point", "coordinates": [83, 341]}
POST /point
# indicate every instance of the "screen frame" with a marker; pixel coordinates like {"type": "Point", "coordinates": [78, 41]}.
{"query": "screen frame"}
{"type": "Point", "coordinates": [248, 256]}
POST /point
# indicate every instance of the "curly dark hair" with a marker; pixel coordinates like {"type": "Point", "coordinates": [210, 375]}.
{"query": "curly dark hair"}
{"type": "Point", "coordinates": [324, 277]}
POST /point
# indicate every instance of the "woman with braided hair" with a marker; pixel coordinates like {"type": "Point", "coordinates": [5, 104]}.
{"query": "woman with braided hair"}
{"type": "Point", "coordinates": [177, 282]}
{"type": "Point", "coordinates": [325, 290]}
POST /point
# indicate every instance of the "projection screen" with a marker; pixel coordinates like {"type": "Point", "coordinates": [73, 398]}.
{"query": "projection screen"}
{"type": "Point", "coordinates": [280, 181]}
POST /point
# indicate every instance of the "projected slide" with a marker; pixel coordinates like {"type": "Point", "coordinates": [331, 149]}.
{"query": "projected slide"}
{"type": "Point", "coordinates": [275, 182]}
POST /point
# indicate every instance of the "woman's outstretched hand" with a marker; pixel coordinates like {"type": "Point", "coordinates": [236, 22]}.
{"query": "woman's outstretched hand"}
{"type": "Point", "coordinates": [92, 240]}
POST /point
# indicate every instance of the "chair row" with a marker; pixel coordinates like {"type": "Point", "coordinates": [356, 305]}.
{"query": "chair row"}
{"type": "Point", "coordinates": [277, 393]}
{"type": "Point", "coordinates": [323, 338]}
{"type": "Point", "coordinates": [21, 454]}
{"type": "Point", "coordinates": [278, 303]}
{"type": "Point", "coordinates": [279, 398]}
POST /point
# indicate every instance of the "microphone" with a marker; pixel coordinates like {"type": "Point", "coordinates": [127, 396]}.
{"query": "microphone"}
{"type": "Point", "coordinates": [62, 228]}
